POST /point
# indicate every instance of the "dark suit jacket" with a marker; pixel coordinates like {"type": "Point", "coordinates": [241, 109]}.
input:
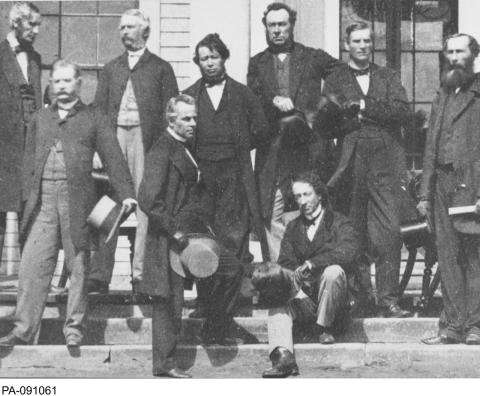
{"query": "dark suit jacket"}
{"type": "Point", "coordinates": [335, 243]}
{"type": "Point", "coordinates": [308, 66]}
{"type": "Point", "coordinates": [386, 109]}
{"type": "Point", "coordinates": [251, 130]}
{"type": "Point", "coordinates": [168, 194]}
{"type": "Point", "coordinates": [466, 133]}
{"type": "Point", "coordinates": [12, 128]}
{"type": "Point", "coordinates": [84, 132]}
{"type": "Point", "coordinates": [154, 84]}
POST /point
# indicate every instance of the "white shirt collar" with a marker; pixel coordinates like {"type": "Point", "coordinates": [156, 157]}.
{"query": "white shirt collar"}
{"type": "Point", "coordinates": [175, 135]}
{"type": "Point", "coordinates": [137, 53]}
{"type": "Point", "coordinates": [12, 39]}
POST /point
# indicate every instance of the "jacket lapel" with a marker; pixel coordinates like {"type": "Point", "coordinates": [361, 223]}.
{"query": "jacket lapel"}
{"type": "Point", "coordinates": [267, 70]}
{"type": "Point", "coordinates": [181, 161]}
{"type": "Point", "coordinates": [297, 65]}
{"type": "Point", "coordinates": [10, 66]}
{"type": "Point", "coordinates": [142, 61]}
{"type": "Point", "coordinates": [462, 103]}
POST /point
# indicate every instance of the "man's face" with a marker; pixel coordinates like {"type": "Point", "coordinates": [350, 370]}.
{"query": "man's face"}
{"type": "Point", "coordinates": [185, 122]}
{"type": "Point", "coordinates": [279, 29]}
{"type": "Point", "coordinates": [458, 53]}
{"type": "Point", "coordinates": [63, 84]}
{"type": "Point", "coordinates": [359, 45]}
{"type": "Point", "coordinates": [26, 29]}
{"type": "Point", "coordinates": [210, 62]}
{"type": "Point", "coordinates": [306, 198]}
{"type": "Point", "coordinates": [131, 32]}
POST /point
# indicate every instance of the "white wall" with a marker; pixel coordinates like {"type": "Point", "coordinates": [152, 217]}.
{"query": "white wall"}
{"type": "Point", "coordinates": [230, 19]}
{"type": "Point", "coordinates": [468, 13]}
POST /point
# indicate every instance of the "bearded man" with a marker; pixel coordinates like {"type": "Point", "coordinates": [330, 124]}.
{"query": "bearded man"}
{"type": "Point", "coordinates": [451, 177]}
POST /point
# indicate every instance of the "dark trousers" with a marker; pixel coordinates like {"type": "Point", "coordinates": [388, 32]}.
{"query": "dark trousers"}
{"type": "Point", "coordinates": [374, 209]}
{"type": "Point", "coordinates": [166, 327]}
{"type": "Point", "coordinates": [3, 227]}
{"type": "Point", "coordinates": [458, 260]}
{"type": "Point", "coordinates": [230, 216]}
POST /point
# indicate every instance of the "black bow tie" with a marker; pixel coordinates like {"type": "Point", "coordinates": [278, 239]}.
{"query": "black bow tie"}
{"type": "Point", "coordinates": [359, 72]}
{"type": "Point", "coordinates": [21, 48]}
{"type": "Point", "coordinates": [309, 222]}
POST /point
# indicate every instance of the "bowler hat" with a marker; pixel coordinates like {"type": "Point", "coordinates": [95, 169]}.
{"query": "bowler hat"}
{"type": "Point", "coordinates": [199, 259]}
{"type": "Point", "coordinates": [273, 283]}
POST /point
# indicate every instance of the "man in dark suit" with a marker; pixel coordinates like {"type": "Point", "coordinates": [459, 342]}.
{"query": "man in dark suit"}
{"type": "Point", "coordinates": [133, 90]}
{"type": "Point", "coordinates": [373, 156]}
{"type": "Point", "coordinates": [317, 253]}
{"type": "Point", "coordinates": [20, 96]}
{"type": "Point", "coordinates": [451, 178]}
{"type": "Point", "coordinates": [60, 193]}
{"type": "Point", "coordinates": [170, 186]}
{"type": "Point", "coordinates": [230, 124]}
{"type": "Point", "coordinates": [285, 76]}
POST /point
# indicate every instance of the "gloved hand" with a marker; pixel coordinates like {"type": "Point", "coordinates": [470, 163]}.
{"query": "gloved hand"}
{"type": "Point", "coordinates": [302, 274]}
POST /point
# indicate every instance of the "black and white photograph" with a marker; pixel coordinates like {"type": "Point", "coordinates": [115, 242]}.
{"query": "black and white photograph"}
{"type": "Point", "coordinates": [238, 189]}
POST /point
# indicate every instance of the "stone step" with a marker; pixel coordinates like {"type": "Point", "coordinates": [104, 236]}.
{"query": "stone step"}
{"type": "Point", "coordinates": [245, 361]}
{"type": "Point", "coordinates": [248, 330]}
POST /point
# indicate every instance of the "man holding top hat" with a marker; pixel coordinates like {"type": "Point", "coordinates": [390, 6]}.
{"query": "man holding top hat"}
{"type": "Point", "coordinates": [179, 242]}
{"type": "Point", "coordinates": [451, 174]}
{"type": "Point", "coordinates": [60, 193]}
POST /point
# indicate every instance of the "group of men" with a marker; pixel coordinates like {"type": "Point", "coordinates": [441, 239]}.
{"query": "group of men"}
{"type": "Point", "coordinates": [183, 163]}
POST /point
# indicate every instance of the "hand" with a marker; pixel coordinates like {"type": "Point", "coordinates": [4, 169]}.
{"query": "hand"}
{"type": "Point", "coordinates": [423, 208]}
{"type": "Point", "coordinates": [303, 273]}
{"type": "Point", "coordinates": [283, 103]}
{"type": "Point", "coordinates": [181, 240]}
{"type": "Point", "coordinates": [129, 204]}
{"type": "Point", "coordinates": [97, 162]}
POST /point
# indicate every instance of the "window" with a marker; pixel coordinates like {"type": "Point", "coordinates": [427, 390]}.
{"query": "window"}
{"type": "Point", "coordinates": [85, 32]}
{"type": "Point", "coordinates": [408, 37]}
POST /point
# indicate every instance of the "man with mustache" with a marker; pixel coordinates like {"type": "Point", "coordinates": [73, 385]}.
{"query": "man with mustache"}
{"type": "Point", "coordinates": [451, 175]}
{"type": "Point", "coordinates": [286, 76]}
{"type": "Point", "coordinates": [20, 97]}
{"type": "Point", "coordinates": [230, 124]}
{"type": "Point", "coordinates": [372, 163]}
{"type": "Point", "coordinates": [133, 90]}
{"type": "Point", "coordinates": [60, 191]}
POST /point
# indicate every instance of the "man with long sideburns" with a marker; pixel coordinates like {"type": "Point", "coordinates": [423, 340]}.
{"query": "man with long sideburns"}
{"type": "Point", "coordinates": [59, 195]}
{"type": "Point", "coordinates": [133, 89]}
{"type": "Point", "coordinates": [451, 177]}
{"type": "Point", "coordinates": [20, 97]}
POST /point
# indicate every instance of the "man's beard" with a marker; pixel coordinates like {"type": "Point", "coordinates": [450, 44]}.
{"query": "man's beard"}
{"type": "Point", "coordinates": [212, 80]}
{"type": "Point", "coordinates": [457, 76]}
{"type": "Point", "coordinates": [277, 49]}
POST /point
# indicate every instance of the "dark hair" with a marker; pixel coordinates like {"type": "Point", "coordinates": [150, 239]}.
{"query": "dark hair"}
{"type": "Point", "coordinates": [311, 177]}
{"type": "Point", "coordinates": [472, 44]}
{"type": "Point", "coordinates": [358, 25]}
{"type": "Point", "coordinates": [213, 42]}
{"type": "Point", "coordinates": [292, 14]}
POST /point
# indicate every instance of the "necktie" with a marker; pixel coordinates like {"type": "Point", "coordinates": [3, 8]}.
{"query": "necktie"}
{"type": "Point", "coordinates": [21, 48]}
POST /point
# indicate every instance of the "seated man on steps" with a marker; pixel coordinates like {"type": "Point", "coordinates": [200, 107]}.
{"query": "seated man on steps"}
{"type": "Point", "coordinates": [316, 256]}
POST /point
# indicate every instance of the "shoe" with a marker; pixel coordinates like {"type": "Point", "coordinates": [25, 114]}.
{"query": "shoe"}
{"type": "Point", "coordinates": [394, 311]}
{"type": "Point", "coordinates": [283, 364]}
{"type": "Point", "coordinates": [73, 341]}
{"type": "Point", "coordinates": [441, 340]}
{"type": "Point", "coordinates": [173, 373]}
{"type": "Point", "coordinates": [96, 286]}
{"type": "Point", "coordinates": [472, 338]}
{"type": "Point", "coordinates": [11, 340]}
{"type": "Point", "coordinates": [326, 338]}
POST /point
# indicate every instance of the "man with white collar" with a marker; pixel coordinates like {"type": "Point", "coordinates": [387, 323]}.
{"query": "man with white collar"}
{"type": "Point", "coordinates": [20, 97]}
{"type": "Point", "coordinates": [318, 252]}
{"type": "Point", "coordinates": [372, 154]}
{"type": "Point", "coordinates": [133, 90]}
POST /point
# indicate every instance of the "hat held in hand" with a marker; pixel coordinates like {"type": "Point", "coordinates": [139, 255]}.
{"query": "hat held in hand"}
{"type": "Point", "coordinates": [106, 216]}
{"type": "Point", "coordinates": [199, 259]}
